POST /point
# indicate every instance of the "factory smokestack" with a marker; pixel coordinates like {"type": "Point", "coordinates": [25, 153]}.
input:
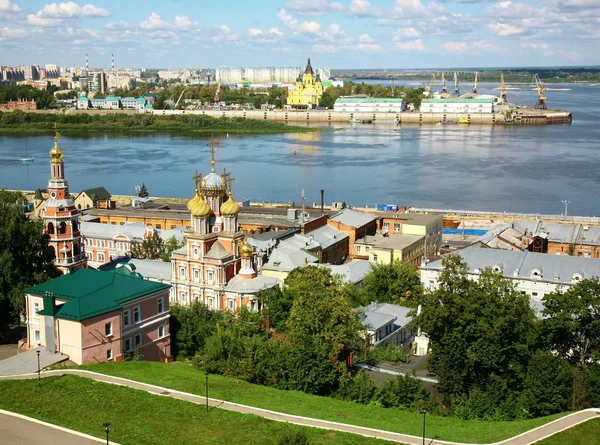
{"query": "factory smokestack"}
{"type": "Point", "coordinates": [322, 201]}
{"type": "Point", "coordinates": [112, 59]}
{"type": "Point", "coordinates": [86, 62]}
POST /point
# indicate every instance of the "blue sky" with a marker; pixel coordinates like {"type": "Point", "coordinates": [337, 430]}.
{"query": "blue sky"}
{"type": "Point", "coordinates": [336, 34]}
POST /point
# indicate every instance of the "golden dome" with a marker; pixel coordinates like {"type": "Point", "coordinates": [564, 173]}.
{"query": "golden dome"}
{"type": "Point", "coordinates": [230, 207]}
{"type": "Point", "coordinates": [56, 151]}
{"type": "Point", "coordinates": [246, 249]}
{"type": "Point", "coordinates": [198, 206]}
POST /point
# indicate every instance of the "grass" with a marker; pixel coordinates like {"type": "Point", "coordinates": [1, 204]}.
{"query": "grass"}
{"type": "Point", "coordinates": [587, 433]}
{"type": "Point", "coordinates": [186, 378]}
{"type": "Point", "coordinates": [139, 418]}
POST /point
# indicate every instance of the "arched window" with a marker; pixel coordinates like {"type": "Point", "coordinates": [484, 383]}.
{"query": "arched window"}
{"type": "Point", "coordinates": [76, 250]}
{"type": "Point", "coordinates": [62, 228]}
{"type": "Point", "coordinates": [52, 251]}
{"type": "Point", "coordinates": [50, 228]}
{"type": "Point", "coordinates": [79, 206]}
{"type": "Point", "coordinates": [75, 226]}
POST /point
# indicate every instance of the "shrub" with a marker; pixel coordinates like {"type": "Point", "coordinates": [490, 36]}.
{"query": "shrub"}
{"type": "Point", "coordinates": [298, 438]}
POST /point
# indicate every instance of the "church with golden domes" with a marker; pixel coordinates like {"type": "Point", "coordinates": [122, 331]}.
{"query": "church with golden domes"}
{"type": "Point", "coordinates": [216, 265]}
{"type": "Point", "coordinates": [308, 91]}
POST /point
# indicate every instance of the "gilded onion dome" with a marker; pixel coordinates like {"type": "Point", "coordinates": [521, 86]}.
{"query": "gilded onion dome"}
{"type": "Point", "coordinates": [56, 151]}
{"type": "Point", "coordinates": [198, 206]}
{"type": "Point", "coordinates": [230, 207]}
{"type": "Point", "coordinates": [246, 250]}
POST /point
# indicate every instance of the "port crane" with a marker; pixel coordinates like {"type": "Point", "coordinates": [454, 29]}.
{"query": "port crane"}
{"type": "Point", "coordinates": [217, 93]}
{"type": "Point", "coordinates": [541, 90]}
{"type": "Point", "coordinates": [444, 89]}
{"type": "Point", "coordinates": [474, 90]}
{"type": "Point", "coordinates": [430, 84]}
{"type": "Point", "coordinates": [504, 88]}
{"type": "Point", "coordinates": [456, 90]}
{"type": "Point", "coordinates": [180, 96]}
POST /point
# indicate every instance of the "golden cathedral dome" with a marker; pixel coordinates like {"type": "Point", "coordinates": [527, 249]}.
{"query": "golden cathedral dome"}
{"type": "Point", "coordinates": [56, 151]}
{"type": "Point", "coordinates": [230, 207]}
{"type": "Point", "coordinates": [198, 206]}
{"type": "Point", "coordinates": [246, 250]}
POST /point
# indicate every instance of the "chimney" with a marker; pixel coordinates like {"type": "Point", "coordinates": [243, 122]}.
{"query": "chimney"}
{"type": "Point", "coordinates": [322, 201]}
{"type": "Point", "coordinates": [305, 261]}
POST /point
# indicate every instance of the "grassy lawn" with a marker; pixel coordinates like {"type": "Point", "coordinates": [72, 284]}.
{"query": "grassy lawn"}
{"type": "Point", "coordinates": [587, 433]}
{"type": "Point", "coordinates": [139, 418]}
{"type": "Point", "coordinates": [188, 379]}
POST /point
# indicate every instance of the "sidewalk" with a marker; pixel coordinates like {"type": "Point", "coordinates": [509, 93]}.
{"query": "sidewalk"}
{"type": "Point", "coordinates": [522, 439]}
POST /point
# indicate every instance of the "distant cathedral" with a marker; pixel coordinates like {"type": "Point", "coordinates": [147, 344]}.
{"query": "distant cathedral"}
{"type": "Point", "coordinates": [309, 90]}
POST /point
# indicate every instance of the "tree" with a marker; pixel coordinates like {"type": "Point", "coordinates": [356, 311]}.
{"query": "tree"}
{"type": "Point", "coordinates": [402, 392]}
{"type": "Point", "coordinates": [150, 248]}
{"type": "Point", "coordinates": [191, 326]}
{"type": "Point", "coordinates": [477, 329]}
{"type": "Point", "coordinates": [398, 282]}
{"type": "Point", "coordinates": [143, 193]}
{"type": "Point", "coordinates": [25, 259]}
{"type": "Point", "coordinates": [169, 246]}
{"type": "Point", "coordinates": [572, 323]}
{"type": "Point", "coordinates": [277, 305]}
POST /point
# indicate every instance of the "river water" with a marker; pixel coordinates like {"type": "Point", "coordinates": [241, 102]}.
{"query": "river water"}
{"type": "Point", "coordinates": [517, 169]}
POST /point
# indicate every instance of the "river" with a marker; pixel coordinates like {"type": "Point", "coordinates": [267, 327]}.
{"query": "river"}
{"type": "Point", "coordinates": [517, 169]}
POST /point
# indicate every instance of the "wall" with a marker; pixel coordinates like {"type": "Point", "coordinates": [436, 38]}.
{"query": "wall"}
{"type": "Point", "coordinates": [34, 322]}
{"type": "Point", "coordinates": [70, 339]}
{"type": "Point", "coordinates": [94, 341]}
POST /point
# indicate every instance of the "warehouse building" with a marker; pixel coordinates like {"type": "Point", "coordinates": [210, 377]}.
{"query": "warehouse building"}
{"type": "Point", "coordinates": [368, 105]}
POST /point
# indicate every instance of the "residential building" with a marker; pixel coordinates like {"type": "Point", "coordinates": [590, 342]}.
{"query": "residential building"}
{"type": "Point", "coordinates": [387, 324]}
{"type": "Point", "coordinates": [308, 91]}
{"type": "Point", "coordinates": [61, 217]}
{"type": "Point", "coordinates": [355, 224]}
{"type": "Point", "coordinates": [96, 82]}
{"type": "Point", "coordinates": [95, 316]}
{"type": "Point", "coordinates": [388, 249]}
{"type": "Point", "coordinates": [428, 226]}
{"type": "Point", "coordinates": [94, 197]}
{"type": "Point", "coordinates": [368, 105]}
{"type": "Point", "coordinates": [352, 272]}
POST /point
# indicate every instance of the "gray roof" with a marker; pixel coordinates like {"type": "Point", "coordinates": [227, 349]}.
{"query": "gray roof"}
{"type": "Point", "coordinates": [590, 235]}
{"type": "Point", "coordinates": [240, 285]}
{"type": "Point", "coordinates": [519, 234]}
{"type": "Point", "coordinates": [289, 254]}
{"type": "Point", "coordinates": [267, 240]}
{"type": "Point", "coordinates": [353, 218]}
{"type": "Point", "coordinates": [353, 272]}
{"type": "Point", "coordinates": [327, 236]}
{"type": "Point", "coordinates": [217, 251]}
{"type": "Point", "coordinates": [522, 264]}
{"type": "Point", "coordinates": [389, 242]}
{"type": "Point", "coordinates": [150, 269]}
{"type": "Point", "coordinates": [132, 231]}
{"type": "Point", "coordinates": [377, 315]}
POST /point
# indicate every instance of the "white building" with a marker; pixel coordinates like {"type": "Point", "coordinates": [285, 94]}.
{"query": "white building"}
{"type": "Point", "coordinates": [368, 105]}
{"type": "Point", "coordinates": [387, 324]}
{"type": "Point", "coordinates": [479, 104]}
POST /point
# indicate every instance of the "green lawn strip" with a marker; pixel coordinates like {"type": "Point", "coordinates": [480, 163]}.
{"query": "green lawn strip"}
{"type": "Point", "coordinates": [188, 379]}
{"type": "Point", "coordinates": [587, 433]}
{"type": "Point", "coordinates": [139, 418]}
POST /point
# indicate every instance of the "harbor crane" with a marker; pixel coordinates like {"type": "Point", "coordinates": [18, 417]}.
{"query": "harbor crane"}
{"type": "Point", "coordinates": [541, 90]}
{"type": "Point", "coordinates": [504, 88]}
{"type": "Point", "coordinates": [456, 90]}
{"type": "Point", "coordinates": [180, 96]}
{"type": "Point", "coordinates": [217, 98]}
{"type": "Point", "coordinates": [430, 84]}
{"type": "Point", "coordinates": [474, 89]}
{"type": "Point", "coordinates": [444, 89]}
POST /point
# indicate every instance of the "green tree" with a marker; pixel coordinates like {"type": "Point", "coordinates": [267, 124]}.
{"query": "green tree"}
{"type": "Point", "coordinates": [572, 323]}
{"type": "Point", "coordinates": [477, 329]}
{"type": "Point", "coordinates": [169, 246]}
{"type": "Point", "coordinates": [277, 305]}
{"type": "Point", "coordinates": [150, 248]}
{"type": "Point", "coordinates": [360, 389]}
{"type": "Point", "coordinates": [397, 283]}
{"type": "Point", "coordinates": [191, 326]}
{"type": "Point", "coordinates": [25, 259]}
{"type": "Point", "coordinates": [402, 392]}
{"type": "Point", "coordinates": [143, 193]}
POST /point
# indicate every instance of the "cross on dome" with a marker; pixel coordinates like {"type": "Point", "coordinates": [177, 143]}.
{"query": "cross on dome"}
{"type": "Point", "coordinates": [212, 144]}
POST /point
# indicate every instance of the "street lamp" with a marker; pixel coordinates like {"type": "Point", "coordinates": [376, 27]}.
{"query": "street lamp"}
{"type": "Point", "coordinates": [39, 374]}
{"type": "Point", "coordinates": [206, 375]}
{"type": "Point", "coordinates": [566, 203]}
{"type": "Point", "coordinates": [107, 429]}
{"type": "Point", "coordinates": [424, 414]}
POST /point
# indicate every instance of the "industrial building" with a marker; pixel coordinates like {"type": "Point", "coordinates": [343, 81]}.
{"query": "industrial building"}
{"type": "Point", "coordinates": [477, 104]}
{"type": "Point", "coordinates": [369, 105]}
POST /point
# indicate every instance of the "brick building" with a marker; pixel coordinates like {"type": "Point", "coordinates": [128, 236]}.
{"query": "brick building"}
{"type": "Point", "coordinates": [23, 105]}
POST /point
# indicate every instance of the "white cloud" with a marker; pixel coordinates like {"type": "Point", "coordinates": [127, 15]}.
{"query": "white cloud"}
{"type": "Point", "coordinates": [508, 9]}
{"type": "Point", "coordinates": [403, 33]}
{"type": "Point", "coordinates": [535, 45]}
{"type": "Point", "coordinates": [183, 22]}
{"type": "Point", "coordinates": [314, 7]}
{"type": "Point", "coordinates": [37, 20]}
{"type": "Point", "coordinates": [482, 45]}
{"type": "Point", "coordinates": [505, 30]}
{"type": "Point", "coordinates": [311, 29]}
{"type": "Point", "coordinates": [407, 9]}
{"type": "Point", "coordinates": [370, 47]}
{"type": "Point", "coordinates": [7, 6]}
{"type": "Point", "coordinates": [365, 38]}
{"type": "Point", "coordinates": [455, 47]}
{"type": "Point", "coordinates": [9, 33]}
{"type": "Point", "coordinates": [412, 45]}
{"type": "Point", "coordinates": [154, 21]}
{"type": "Point", "coordinates": [263, 37]}
{"type": "Point", "coordinates": [222, 34]}
{"type": "Point", "coordinates": [363, 8]}
{"type": "Point", "coordinates": [328, 49]}
{"type": "Point", "coordinates": [72, 10]}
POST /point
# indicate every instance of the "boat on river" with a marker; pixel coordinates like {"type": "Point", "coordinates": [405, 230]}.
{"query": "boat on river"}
{"type": "Point", "coordinates": [25, 159]}
{"type": "Point", "coordinates": [354, 121]}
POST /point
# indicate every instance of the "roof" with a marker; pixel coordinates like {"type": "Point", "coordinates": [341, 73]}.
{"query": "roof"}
{"type": "Point", "coordinates": [389, 242]}
{"type": "Point", "coordinates": [240, 285]}
{"type": "Point", "coordinates": [519, 234]}
{"type": "Point", "coordinates": [309, 69]}
{"type": "Point", "coordinates": [461, 100]}
{"type": "Point", "coordinates": [132, 231]}
{"type": "Point", "coordinates": [97, 193]}
{"type": "Point", "coordinates": [558, 269]}
{"type": "Point", "coordinates": [327, 236]}
{"type": "Point", "coordinates": [353, 218]}
{"type": "Point", "coordinates": [217, 251]}
{"type": "Point", "coordinates": [267, 240]}
{"type": "Point", "coordinates": [288, 255]}
{"type": "Point", "coordinates": [90, 293]}
{"type": "Point", "coordinates": [150, 269]}
{"type": "Point", "coordinates": [416, 219]}
{"type": "Point", "coordinates": [353, 272]}
{"type": "Point", "coordinates": [38, 195]}
{"type": "Point", "coordinates": [376, 315]}
{"type": "Point", "coordinates": [112, 97]}
{"type": "Point", "coordinates": [371, 100]}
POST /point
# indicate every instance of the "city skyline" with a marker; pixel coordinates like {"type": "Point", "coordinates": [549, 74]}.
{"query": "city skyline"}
{"type": "Point", "coordinates": [346, 34]}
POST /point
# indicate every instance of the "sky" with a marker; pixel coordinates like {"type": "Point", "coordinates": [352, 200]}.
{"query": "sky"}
{"type": "Point", "coordinates": [338, 34]}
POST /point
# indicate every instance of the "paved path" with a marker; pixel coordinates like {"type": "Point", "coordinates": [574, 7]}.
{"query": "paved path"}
{"type": "Point", "coordinates": [522, 439]}
{"type": "Point", "coordinates": [16, 429]}
{"type": "Point", "coordinates": [26, 362]}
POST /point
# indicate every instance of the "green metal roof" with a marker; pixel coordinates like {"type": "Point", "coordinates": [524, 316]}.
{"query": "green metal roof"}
{"type": "Point", "coordinates": [98, 193]}
{"type": "Point", "coordinates": [457, 100]}
{"type": "Point", "coordinates": [112, 98]}
{"type": "Point", "coordinates": [90, 293]}
{"type": "Point", "coordinates": [374, 100]}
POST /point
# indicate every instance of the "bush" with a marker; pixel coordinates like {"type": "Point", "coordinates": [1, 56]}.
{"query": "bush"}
{"type": "Point", "coordinates": [360, 389]}
{"type": "Point", "coordinates": [402, 392]}
{"type": "Point", "coordinates": [392, 353]}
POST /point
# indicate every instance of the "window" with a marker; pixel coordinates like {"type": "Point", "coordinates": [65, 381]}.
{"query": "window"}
{"type": "Point", "coordinates": [386, 225]}
{"type": "Point", "coordinates": [137, 342]}
{"type": "Point", "coordinates": [159, 226]}
{"type": "Point", "coordinates": [173, 226]}
{"type": "Point", "coordinates": [396, 227]}
{"type": "Point", "coordinates": [182, 297]}
{"type": "Point", "coordinates": [127, 344]}
{"type": "Point", "coordinates": [196, 275]}
{"type": "Point", "coordinates": [210, 276]}
{"type": "Point", "coordinates": [36, 309]}
{"type": "Point", "coordinates": [108, 329]}
{"type": "Point", "coordinates": [126, 318]}
{"type": "Point", "coordinates": [211, 302]}
{"type": "Point", "coordinates": [161, 307]}
{"type": "Point", "coordinates": [534, 294]}
{"type": "Point", "coordinates": [357, 248]}
{"type": "Point", "coordinates": [136, 314]}
{"type": "Point", "coordinates": [231, 304]}
{"type": "Point", "coordinates": [101, 257]}
{"type": "Point", "coordinates": [374, 257]}
{"type": "Point", "coordinates": [109, 354]}
{"type": "Point", "coordinates": [182, 272]}
{"type": "Point", "coordinates": [161, 331]}
{"type": "Point", "coordinates": [36, 336]}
